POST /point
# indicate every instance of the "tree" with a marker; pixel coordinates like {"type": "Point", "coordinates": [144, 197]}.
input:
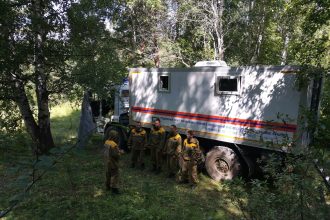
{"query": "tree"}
{"type": "Point", "coordinates": [138, 27]}
{"type": "Point", "coordinates": [208, 20]}
{"type": "Point", "coordinates": [94, 48]}
{"type": "Point", "coordinates": [27, 25]}
{"type": "Point", "coordinates": [37, 59]}
{"type": "Point", "coordinates": [312, 46]}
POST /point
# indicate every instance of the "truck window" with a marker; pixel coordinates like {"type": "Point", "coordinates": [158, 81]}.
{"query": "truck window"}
{"type": "Point", "coordinates": [125, 93]}
{"type": "Point", "coordinates": [227, 85]}
{"type": "Point", "coordinates": [164, 82]}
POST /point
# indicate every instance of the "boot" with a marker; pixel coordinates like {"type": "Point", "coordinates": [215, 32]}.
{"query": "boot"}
{"type": "Point", "coordinates": [115, 191]}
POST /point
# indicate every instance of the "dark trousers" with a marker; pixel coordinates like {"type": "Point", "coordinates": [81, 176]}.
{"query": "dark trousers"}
{"type": "Point", "coordinates": [156, 158]}
{"type": "Point", "coordinates": [171, 164]}
{"type": "Point", "coordinates": [137, 157]}
{"type": "Point", "coordinates": [112, 177]}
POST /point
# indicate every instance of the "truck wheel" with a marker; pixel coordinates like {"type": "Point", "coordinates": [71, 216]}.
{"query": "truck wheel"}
{"type": "Point", "coordinates": [222, 163]}
{"type": "Point", "coordinates": [122, 141]}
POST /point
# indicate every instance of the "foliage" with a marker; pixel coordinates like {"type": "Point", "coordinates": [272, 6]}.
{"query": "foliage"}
{"type": "Point", "coordinates": [323, 137]}
{"type": "Point", "coordinates": [139, 28]}
{"type": "Point", "coordinates": [245, 32]}
{"type": "Point", "coordinates": [292, 191]}
{"type": "Point", "coordinates": [312, 47]}
{"type": "Point", "coordinates": [10, 119]}
{"type": "Point", "coordinates": [96, 63]}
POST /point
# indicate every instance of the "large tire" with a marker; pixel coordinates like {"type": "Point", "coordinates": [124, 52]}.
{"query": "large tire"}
{"type": "Point", "coordinates": [122, 139]}
{"type": "Point", "coordinates": [222, 163]}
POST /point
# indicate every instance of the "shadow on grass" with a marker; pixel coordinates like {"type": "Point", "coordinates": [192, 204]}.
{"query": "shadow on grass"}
{"type": "Point", "coordinates": [16, 157]}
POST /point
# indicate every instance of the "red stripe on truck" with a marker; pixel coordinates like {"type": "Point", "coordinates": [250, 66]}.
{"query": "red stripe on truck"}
{"type": "Point", "coordinates": [219, 119]}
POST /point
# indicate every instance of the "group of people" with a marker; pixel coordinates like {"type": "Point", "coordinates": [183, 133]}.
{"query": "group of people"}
{"type": "Point", "coordinates": [181, 160]}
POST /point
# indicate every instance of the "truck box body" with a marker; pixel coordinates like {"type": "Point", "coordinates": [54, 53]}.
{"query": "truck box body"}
{"type": "Point", "coordinates": [257, 106]}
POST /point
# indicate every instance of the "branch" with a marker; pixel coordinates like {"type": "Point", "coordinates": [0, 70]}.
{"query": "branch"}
{"type": "Point", "coordinates": [181, 58]}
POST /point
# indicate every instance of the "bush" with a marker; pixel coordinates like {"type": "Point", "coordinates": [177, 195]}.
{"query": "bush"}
{"type": "Point", "coordinates": [290, 191]}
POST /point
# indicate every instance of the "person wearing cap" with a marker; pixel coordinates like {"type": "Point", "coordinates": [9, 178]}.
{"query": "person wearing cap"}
{"type": "Point", "coordinates": [156, 143]}
{"type": "Point", "coordinates": [190, 156]}
{"type": "Point", "coordinates": [172, 151]}
{"type": "Point", "coordinates": [111, 157]}
{"type": "Point", "coordinates": [137, 142]}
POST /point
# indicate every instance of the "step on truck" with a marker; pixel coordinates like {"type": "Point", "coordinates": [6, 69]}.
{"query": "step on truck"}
{"type": "Point", "coordinates": [239, 114]}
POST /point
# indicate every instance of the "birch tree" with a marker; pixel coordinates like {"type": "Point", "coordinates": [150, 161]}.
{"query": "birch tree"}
{"type": "Point", "coordinates": [29, 46]}
{"type": "Point", "coordinates": [42, 58]}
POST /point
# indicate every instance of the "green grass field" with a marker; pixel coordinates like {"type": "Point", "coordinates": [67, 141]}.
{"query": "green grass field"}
{"type": "Point", "coordinates": [74, 188]}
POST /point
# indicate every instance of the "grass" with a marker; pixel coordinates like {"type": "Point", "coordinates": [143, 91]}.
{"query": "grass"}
{"type": "Point", "coordinates": [75, 188]}
{"type": "Point", "coordinates": [64, 122]}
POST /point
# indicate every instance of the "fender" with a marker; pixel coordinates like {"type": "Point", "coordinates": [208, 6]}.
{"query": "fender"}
{"type": "Point", "coordinates": [122, 130]}
{"type": "Point", "coordinates": [250, 164]}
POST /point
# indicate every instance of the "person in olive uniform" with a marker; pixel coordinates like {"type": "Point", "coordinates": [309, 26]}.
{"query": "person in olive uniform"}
{"type": "Point", "coordinates": [172, 151]}
{"type": "Point", "coordinates": [191, 154]}
{"type": "Point", "coordinates": [156, 143]}
{"type": "Point", "coordinates": [137, 142]}
{"type": "Point", "coordinates": [111, 157]}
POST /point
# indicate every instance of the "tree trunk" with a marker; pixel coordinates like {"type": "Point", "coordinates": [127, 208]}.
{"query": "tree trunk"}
{"type": "Point", "coordinates": [217, 9]}
{"type": "Point", "coordinates": [261, 28]}
{"type": "Point", "coordinates": [29, 121]}
{"type": "Point", "coordinates": [156, 51]}
{"type": "Point", "coordinates": [45, 136]}
{"type": "Point", "coordinates": [284, 53]}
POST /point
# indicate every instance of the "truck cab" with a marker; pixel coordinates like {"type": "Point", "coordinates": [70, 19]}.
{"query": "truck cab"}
{"type": "Point", "coordinates": [121, 103]}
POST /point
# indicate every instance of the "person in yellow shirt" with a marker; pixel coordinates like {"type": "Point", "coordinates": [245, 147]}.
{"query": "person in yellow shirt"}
{"type": "Point", "coordinates": [137, 142]}
{"type": "Point", "coordinates": [190, 156]}
{"type": "Point", "coordinates": [172, 151]}
{"type": "Point", "coordinates": [111, 157]}
{"type": "Point", "coordinates": [156, 143]}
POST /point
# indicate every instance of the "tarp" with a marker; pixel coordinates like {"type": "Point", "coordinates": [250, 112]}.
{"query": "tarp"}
{"type": "Point", "coordinates": [86, 126]}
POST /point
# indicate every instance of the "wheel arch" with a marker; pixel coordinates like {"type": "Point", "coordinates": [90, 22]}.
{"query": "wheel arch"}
{"type": "Point", "coordinates": [122, 130]}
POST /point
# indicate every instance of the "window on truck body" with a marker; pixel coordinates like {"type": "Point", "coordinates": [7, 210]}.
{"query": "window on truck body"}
{"type": "Point", "coordinates": [164, 82]}
{"type": "Point", "coordinates": [125, 93]}
{"type": "Point", "coordinates": [228, 85]}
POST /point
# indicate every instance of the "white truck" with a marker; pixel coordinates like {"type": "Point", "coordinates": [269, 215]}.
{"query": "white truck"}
{"type": "Point", "coordinates": [238, 113]}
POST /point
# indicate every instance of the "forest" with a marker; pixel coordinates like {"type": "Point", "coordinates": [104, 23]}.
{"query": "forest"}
{"type": "Point", "coordinates": [52, 51]}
